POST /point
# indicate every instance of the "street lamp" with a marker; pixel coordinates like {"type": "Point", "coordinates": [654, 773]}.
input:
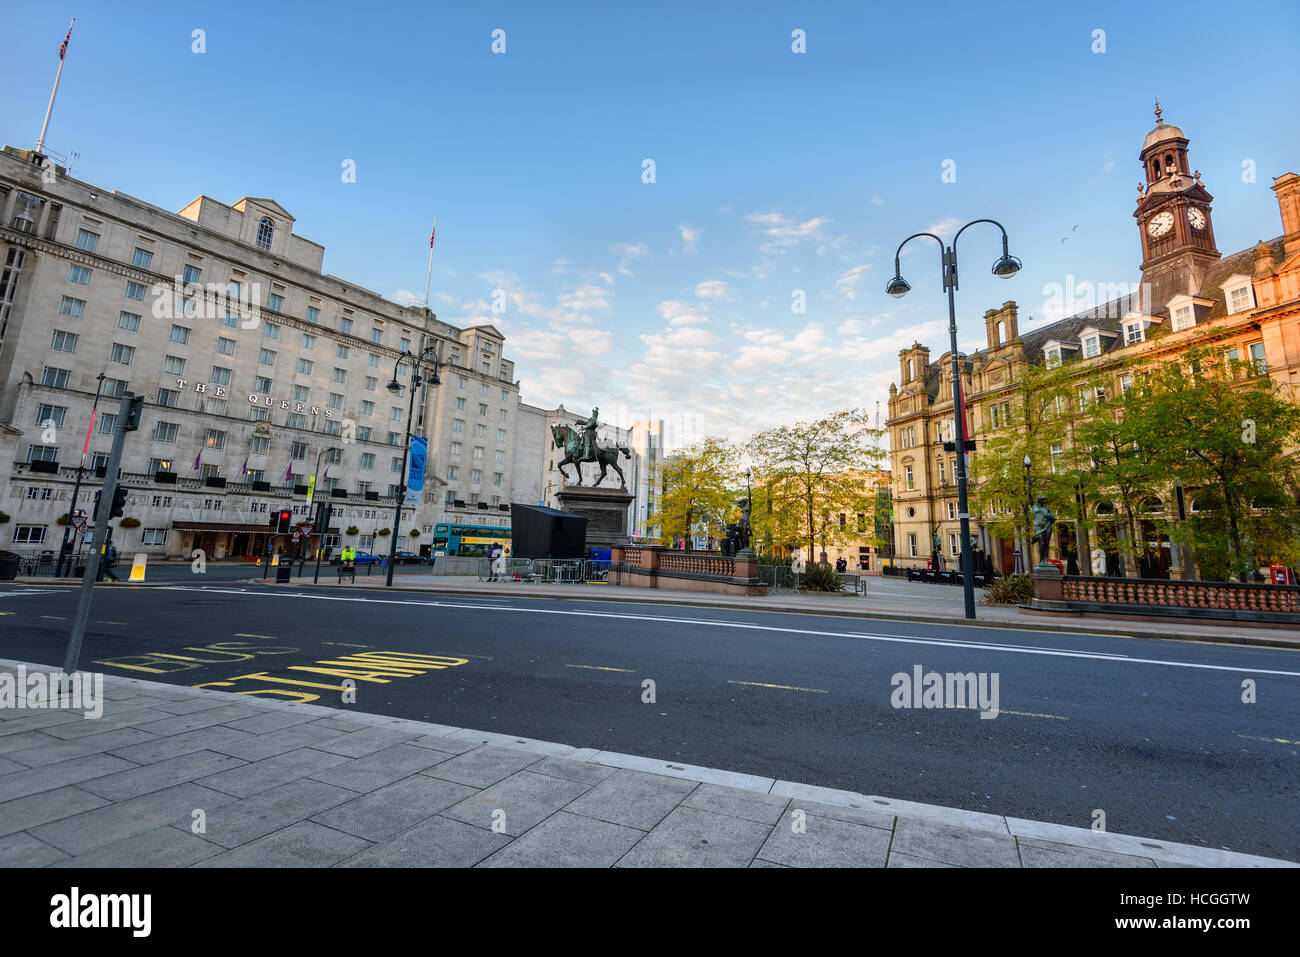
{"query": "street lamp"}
{"type": "Point", "coordinates": [65, 549]}
{"type": "Point", "coordinates": [418, 378]}
{"type": "Point", "coordinates": [1005, 267]}
{"type": "Point", "coordinates": [1029, 505]}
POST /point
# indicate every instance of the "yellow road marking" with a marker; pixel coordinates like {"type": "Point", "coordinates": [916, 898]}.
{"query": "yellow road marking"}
{"type": "Point", "coordinates": [55, 617]}
{"type": "Point", "coordinates": [6, 612]}
{"type": "Point", "coordinates": [344, 644]}
{"type": "Point", "coordinates": [1269, 740]}
{"type": "Point", "coordinates": [110, 623]}
{"type": "Point", "coordinates": [599, 668]}
{"type": "Point", "coordinates": [240, 634]}
{"type": "Point", "coordinates": [1027, 714]}
{"type": "Point", "coordinates": [761, 684]}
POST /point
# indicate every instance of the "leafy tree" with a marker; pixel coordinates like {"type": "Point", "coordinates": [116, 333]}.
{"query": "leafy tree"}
{"type": "Point", "coordinates": [811, 473]}
{"type": "Point", "coordinates": [1228, 435]}
{"type": "Point", "coordinates": [695, 488]}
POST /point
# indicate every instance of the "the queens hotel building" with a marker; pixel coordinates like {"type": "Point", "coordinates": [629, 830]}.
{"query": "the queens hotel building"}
{"type": "Point", "coordinates": [254, 366]}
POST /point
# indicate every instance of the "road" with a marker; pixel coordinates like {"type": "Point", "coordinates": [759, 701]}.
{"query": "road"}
{"type": "Point", "coordinates": [1153, 733]}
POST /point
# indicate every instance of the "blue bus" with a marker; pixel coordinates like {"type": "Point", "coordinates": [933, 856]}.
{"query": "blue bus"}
{"type": "Point", "coordinates": [469, 541]}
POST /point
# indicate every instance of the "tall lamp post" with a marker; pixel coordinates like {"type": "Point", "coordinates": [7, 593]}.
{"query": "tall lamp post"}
{"type": "Point", "coordinates": [1029, 529]}
{"type": "Point", "coordinates": [418, 378]}
{"type": "Point", "coordinates": [1006, 267]}
{"type": "Point", "coordinates": [65, 549]}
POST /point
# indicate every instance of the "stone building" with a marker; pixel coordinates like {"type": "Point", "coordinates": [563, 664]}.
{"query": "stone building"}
{"type": "Point", "coordinates": [1251, 298]}
{"type": "Point", "coordinates": [255, 365]}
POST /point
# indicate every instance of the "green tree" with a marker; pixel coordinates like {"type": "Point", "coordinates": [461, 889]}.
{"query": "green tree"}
{"type": "Point", "coordinates": [695, 489]}
{"type": "Point", "coordinates": [813, 480]}
{"type": "Point", "coordinates": [1228, 434]}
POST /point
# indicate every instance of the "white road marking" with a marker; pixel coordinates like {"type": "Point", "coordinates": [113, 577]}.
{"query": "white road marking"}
{"type": "Point", "coordinates": [33, 591]}
{"type": "Point", "coordinates": [899, 639]}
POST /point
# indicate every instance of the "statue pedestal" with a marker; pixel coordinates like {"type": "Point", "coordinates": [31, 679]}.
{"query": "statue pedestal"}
{"type": "Point", "coordinates": [606, 512]}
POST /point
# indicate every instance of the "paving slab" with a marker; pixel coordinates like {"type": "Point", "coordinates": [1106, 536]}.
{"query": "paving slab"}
{"type": "Point", "coordinates": [438, 742]}
{"type": "Point", "coordinates": [305, 844]}
{"type": "Point", "coordinates": [160, 847]}
{"type": "Point", "coordinates": [633, 799]}
{"type": "Point", "coordinates": [437, 842]}
{"type": "Point", "coordinates": [242, 821]}
{"type": "Point", "coordinates": [826, 842]}
{"type": "Point", "coordinates": [367, 741]}
{"type": "Point", "coordinates": [213, 738]}
{"type": "Point", "coordinates": [907, 860]}
{"type": "Point", "coordinates": [25, 813]}
{"type": "Point", "coordinates": [584, 772]}
{"type": "Point", "coordinates": [387, 811]}
{"type": "Point", "coordinates": [380, 768]}
{"type": "Point", "coordinates": [23, 850]}
{"type": "Point", "coordinates": [518, 803]}
{"type": "Point", "coordinates": [25, 740]}
{"type": "Point", "coordinates": [844, 812]}
{"type": "Point", "coordinates": [27, 781]}
{"type": "Point", "coordinates": [33, 719]}
{"type": "Point", "coordinates": [484, 766]}
{"type": "Point", "coordinates": [267, 744]}
{"type": "Point", "coordinates": [271, 721]}
{"type": "Point", "coordinates": [123, 785]}
{"type": "Point", "coordinates": [179, 724]}
{"type": "Point", "coordinates": [107, 823]}
{"type": "Point", "coordinates": [1050, 854]}
{"type": "Point", "coordinates": [692, 838]}
{"type": "Point", "coordinates": [271, 772]}
{"type": "Point", "coordinates": [107, 722]}
{"type": "Point", "coordinates": [56, 751]}
{"type": "Point", "coordinates": [6, 766]}
{"type": "Point", "coordinates": [763, 808]}
{"type": "Point", "coordinates": [963, 846]}
{"type": "Point", "coordinates": [568, 840]}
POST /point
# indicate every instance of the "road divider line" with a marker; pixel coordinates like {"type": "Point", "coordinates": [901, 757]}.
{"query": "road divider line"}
{"type": "Point", "coordinates": [600, 668]}
{"type": "Point", "coordinates": [753, 626]}
{"type": "Point", "coordinates": [1268, 740]}
{"type": "Point", "coordinates": [242, 634]}
{"type": "Point", "coordinates": [763, 684]}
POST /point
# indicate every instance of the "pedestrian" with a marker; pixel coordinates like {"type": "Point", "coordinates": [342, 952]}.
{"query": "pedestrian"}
{"type": "Point", "coordinates": [349, 556]}
{"type": "Point", "coordinates": [110, 557]}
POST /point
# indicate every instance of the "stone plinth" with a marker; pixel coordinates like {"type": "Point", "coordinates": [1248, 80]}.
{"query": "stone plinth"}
{"type": "Point", "coordinates": [606, 512]}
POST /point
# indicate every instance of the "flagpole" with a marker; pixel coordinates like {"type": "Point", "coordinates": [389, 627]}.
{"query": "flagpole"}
{"type": "Point", "coordinates": [40, 143]}
{"type": "Point", "coordinates": [429, 278]}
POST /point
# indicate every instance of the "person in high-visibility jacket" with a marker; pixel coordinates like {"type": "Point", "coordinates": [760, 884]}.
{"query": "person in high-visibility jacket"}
{"type": "Point", "coordinates": [349, 556]}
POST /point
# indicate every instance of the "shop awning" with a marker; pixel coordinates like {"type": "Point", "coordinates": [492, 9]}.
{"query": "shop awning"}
{"type": "Point", "coordinates": [234, 527]}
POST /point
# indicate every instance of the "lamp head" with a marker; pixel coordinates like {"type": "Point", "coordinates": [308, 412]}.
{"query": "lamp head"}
{"type": "Point", "coordinates": [1006, 266]}
{"type": "Point", "coordinates": [898, 287]}
{"type": "Point", "coordinates": [395, 387]}
{"type": "Point", "coordinates": [1027, 462]}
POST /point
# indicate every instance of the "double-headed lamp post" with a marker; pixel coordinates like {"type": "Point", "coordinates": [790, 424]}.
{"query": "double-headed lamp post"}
{"type": "Point", "coordinates": [1029, 525]}
{"type": "Point", "coordinates": [418, 378]}
{"type": "Point", "coordinates": [1006, 267]}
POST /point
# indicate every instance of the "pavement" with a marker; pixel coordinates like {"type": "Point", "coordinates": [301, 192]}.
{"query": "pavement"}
{"type": "Point", "coordinates": [171, 776]}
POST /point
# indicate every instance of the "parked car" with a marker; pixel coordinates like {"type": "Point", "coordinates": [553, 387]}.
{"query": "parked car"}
{"type": "Point", "coordinates": [410, 558]}
{"type": "Point", "coordinates": [363, 558]}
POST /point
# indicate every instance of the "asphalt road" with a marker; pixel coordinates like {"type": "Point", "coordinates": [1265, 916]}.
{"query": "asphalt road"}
{"type": "Point", "coordinates": [1153, 733]}
{"type": "Point", "coordinates": [183, 572]}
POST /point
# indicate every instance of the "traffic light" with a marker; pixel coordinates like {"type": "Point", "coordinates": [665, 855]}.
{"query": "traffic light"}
{"type": "Point", "coordinates": [133, 412]}
{"type": "Point", "coordinates": [119, 502]}
{"type": "Point", "coordinates": [283, 521]}
{"type": "Point", "coordinates": [95, 511]}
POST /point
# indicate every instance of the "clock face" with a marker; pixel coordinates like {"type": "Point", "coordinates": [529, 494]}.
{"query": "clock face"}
{"type": "Point", "coordinates": [1196, 218]}
{"type": "Point", "coordinates": [1161, 224]}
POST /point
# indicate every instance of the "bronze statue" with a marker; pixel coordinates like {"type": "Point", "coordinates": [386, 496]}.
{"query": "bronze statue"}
{"type": "Point", "coordinates": [582, 447]}
{"type": "Point", "coordinates": [1044, 521]}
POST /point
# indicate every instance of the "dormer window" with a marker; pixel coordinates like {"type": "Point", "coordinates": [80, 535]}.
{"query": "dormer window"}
{"type": "Point", "coordinates": [1053, 356]}
{"type": "Point", "coordinates": [1091, 345]}
{"type": "Point", "coordinates": [265, 233]}
{"type": "Point", "coordinates": [1238, 294]}
{"type": "Point", "coordinates": [1182, 318]}
{"type": "Point", "coordinates": [1135, 331]}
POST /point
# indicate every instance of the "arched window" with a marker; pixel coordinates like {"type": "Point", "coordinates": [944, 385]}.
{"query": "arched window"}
{"type": "Point", "coordinates": [1105, 508]}
{"type": "Point", "coordinates": [1153, 506]}
{"type": "Point", "coordinates": [1002, 333]}
{"type": "Point", "coordinates": [265, 233]}
{"type": "Point", "coordinates": [911, 374]}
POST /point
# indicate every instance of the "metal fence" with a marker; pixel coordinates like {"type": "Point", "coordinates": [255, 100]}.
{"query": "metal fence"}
{"type": "Point", "coordinates": [569, 571]}
{"type": "Point", "coordinates": [779, 578]}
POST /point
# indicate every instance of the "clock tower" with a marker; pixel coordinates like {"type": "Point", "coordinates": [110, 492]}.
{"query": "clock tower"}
{"type": "Point", "coordinates": [1173, 214]}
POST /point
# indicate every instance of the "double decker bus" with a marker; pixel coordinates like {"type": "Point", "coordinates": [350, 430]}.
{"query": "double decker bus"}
{"type": "Point", "coordinates": [470, 541]}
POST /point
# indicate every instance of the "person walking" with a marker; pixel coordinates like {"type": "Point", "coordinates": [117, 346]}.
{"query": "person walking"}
{"type": "Point", "coordinates": [110, 558]}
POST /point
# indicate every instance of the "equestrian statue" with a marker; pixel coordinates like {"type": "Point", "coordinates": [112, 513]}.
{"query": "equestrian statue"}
{"type": "Point", "coordinates": [580, 446]}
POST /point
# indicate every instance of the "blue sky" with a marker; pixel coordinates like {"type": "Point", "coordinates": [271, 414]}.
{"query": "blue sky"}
{"type": "Point", "coordinates": [774, 171]}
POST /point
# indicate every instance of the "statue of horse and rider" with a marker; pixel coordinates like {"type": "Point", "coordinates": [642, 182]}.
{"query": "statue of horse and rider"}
{"type": "Point", "coordinates": [580, 446]}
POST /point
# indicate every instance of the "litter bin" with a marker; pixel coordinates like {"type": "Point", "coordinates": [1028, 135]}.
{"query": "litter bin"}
{"type": "Point", "coordinates": [282, 572]}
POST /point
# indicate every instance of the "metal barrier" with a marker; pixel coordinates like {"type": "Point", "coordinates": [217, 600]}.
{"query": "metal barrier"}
{"type": "Point", "coordinates": [569, 571]}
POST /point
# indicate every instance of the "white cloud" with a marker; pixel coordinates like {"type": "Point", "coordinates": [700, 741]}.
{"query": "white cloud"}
{"type": "Point", "coordinates": [713, 289]}
{"type": "Point", "coordinates": [847, 284]}
{"type": "Point", "coordinates": [690, 238]}
{"type": "Point", "coordinates": [680, 313]}
{"type": "Point", "coordinates": [877, 201]}
{"type": "Point", "coordinates": [405, 297]}
{"type": "Point", "coordinates": [784, 233]}
{"type": "Point", "coordinates": [627, 253]}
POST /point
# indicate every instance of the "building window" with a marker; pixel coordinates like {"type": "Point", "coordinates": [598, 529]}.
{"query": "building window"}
{"type": "Point", "coordinates": [55, 378]}
{"type": "Point", "coordinates": [345, 325]}
{"type": "Point", "coordinates": [313, 314]}
{"type": "Point", "coordinates": [121, 354]}
{"type": "Point", "coordinates": [457, 425]}
{"type": "Point", "coordinates": [142, 259]}
{"type": "Point", "coordinates": [377, 335]}
{"type": "Point", "coordinates": [300, 393]}
{"type": "Point", "coordinates": [340, 375]}
{"type": "Point", "coordinates": [262, 386]}
{"type": "Point", "coordinates": [261, 445]}
{"type": "Point", "coordinates": [230, 320]}
{"type": "Point", "coordinates": [332, 427]}
{"type": "Point", "coordinates": [911, 539]}
{"type": "Point", "coordinates": [166, 432]}
{"type": "Point", "coordinates": [87, 240]}
{"type": "Point", "coordinates": [502, 414]}
{"type": "Point", "coordinates": [265, 234]}
{"type": "Point", "coordinates": [135, 290]}
{"type": "Point", "coordinates": [1240, 299]}
{"type": "Point", "coordinates": [1125, 383]}
{"type": "Point", "coordinates": [368, 461]}
{"type": "Point", "coordinates": [372, 384]}
{"type": "Point", "coordinates": [29, 534]}
{"type": "Point", "coordinates": [79, 274]}
{"type": "Point", "coordinates": [169, 398]}
{"type": "Point", "coordinates": [952, 544]}
{"type": "Point", "coordinates": [367, 407]}
{"type": "Point", "coordinates": [475, 476]}
{"type": "Point", "coordinates": [72, 307]}
{"type": "Point", "coordinates": [153, 536]}
{"type": "Point", "coordinates": [308, 341]}
{"type": "Point", "coordinates": [336, 400]}
{"type": "Point", "coordinates": [297, 420]}
{"type": "Point", "coordinates": [259, 414]}
{"type": "Point", "coordinates": [216, 439]}
{"type": "Point", "coordinates": [1182, 318]}
{"type": "Point", "coordinates": [160, 465]}
{"type": "Point", "coordinates": [107, 423]}
{"type": "Point", "coordinates": [61, 341]}
{"type": "Point", "coordinates": [180, 334]}
{"type": "Point", "coordinates": [372, 360]}
{"type": "Point", "coordinates": [50, 413]}
{"type": "Point", "coordinates": [496, 479]}
{"type": "Point", "coordinates": [266, 357]}
{"type": "Point", "coordinates": [275, 303]}
{"type": "Point", "coordinates": [452, 472]}
{"type": "Point", "coordinates": [298, 451]}
{"type": "Point", "coordinates": [173, 365]}
{"type": "Point", "coordinates": [363, 433]}
{"type": "Point", "coordinates": [272, 331]}
{"type": "Point", "coordinates": [304, 366]}
{"type": "Point", "coordinates": [943, 478]}
{"type": "Point", "coordinates": [394, 439]}
{"type": "Point", "coordinates": [501, 435]}
{"type": "Point", "coordinates": [1091, 346]}
{"type": "Point", "coordinates": [1257, 357]}
{"type": "Point", "coordinates": [1057, 452]}
{"type": "Point", "coordinates": [1134, 332]}
{"type": "Point", "coordinates": [908, 477]}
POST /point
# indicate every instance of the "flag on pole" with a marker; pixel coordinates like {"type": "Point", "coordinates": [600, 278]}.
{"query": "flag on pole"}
{"type": "Point", "coordinates": [198, 458]}
{"type": "Point", "coordinates": [432, 234]}
{"type": "Point", "coordinates": [326, 477]}
{"type": "Point", "coordinates": [244, 470]}
{"type": "Point", "coordinates": [64, 48]}
{"type": "Point", "coordinates": [288, 473]}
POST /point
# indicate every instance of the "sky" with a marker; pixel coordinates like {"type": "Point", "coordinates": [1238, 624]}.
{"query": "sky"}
{"type": "Point", "coordinates": [741, 285]}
